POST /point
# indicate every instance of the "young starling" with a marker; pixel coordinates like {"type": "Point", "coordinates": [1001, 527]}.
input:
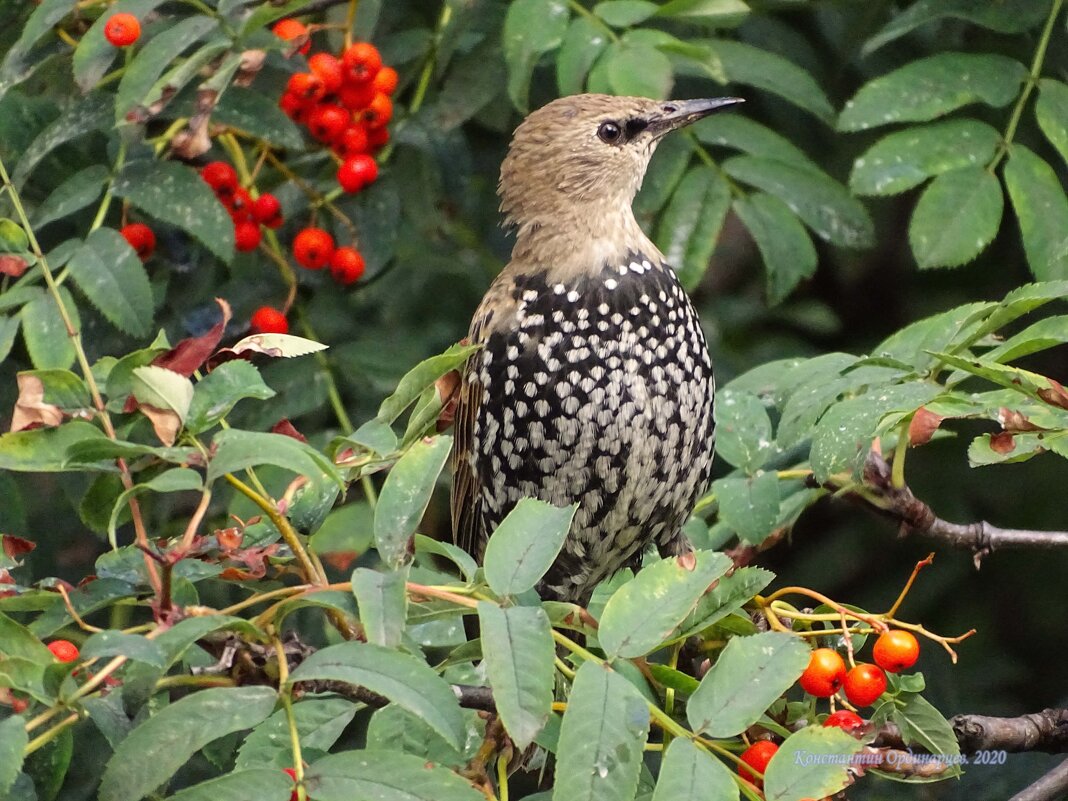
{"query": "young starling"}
{"type": "Point", "coordinates": [594, 383]}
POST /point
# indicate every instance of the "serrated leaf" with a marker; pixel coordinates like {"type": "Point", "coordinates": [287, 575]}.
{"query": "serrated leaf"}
{"type": "Point", "coordinates": [175, 194]}
{"type": "Point", "coordinates": [91, 113]}
{"type": "Point", "coordinates": [44, 333]}
{"type": "Point", "coordinates": [750, 674]}
{"type": "Point", "coordinates": [405, 495]}
{"type": "Point", "coordinates": [729, 594]}
{"type": "Point", "coordinates": [44, 450]}
{"type": "Point", "coordinates": [320, 722]}
{"type": "Point", "coordinates": [932, 87]}
{"type": "Point", "coordinates": [525, 544]}
{"type": "Point", "coordinates": [403, 679]}
{"type": "Point", "coordinates": [259, 115]}
{"type": "Point", "coordinates": [265, 784]}
{"type": "Point", "coordinates": [741, 133]}
{"type": "Point", "coordinates": [383, 774]}
{"type": "Point", "coordinates": [1042, 210]}
{"type": "Point", "coordinates": [423, 375]}
{"type": "Point", "coordinates": [163, 743]}
{"type": "Point", "coordinates": [689, 772]}
{"type": "Point", "coordinates": [531, 28]}
{"type": "Point", "coordinates": [1010, 448]}
{"type": "Point", "coordinates": [74, 194]}
{"type": "Point", "coordinates": [1051, 111]}
{"type": "Point", "coordinates": [823, 204]}
{"type": "Point", "coordinates": [643, 612]}
{"type": "Point", "coordinates": [235, 450]}
{"type": "Point", "coordinates": [785, 246]}
{"type": "Point", "coordinates": [583, 43]}
{"type": "Point", "coordinates": [95, 53]}
{"type": "Point", "coordinates": [519, 667]}
{"type": "Point", "coordinates": [602, 736]}
{"type": "Point", "coordinates": [638, 70]}
{"type": "Point", "coordinates": [220, 390]}
{"type": "Point", "coordinates": [383, 603]}
{"type": "Point", "coordinates": [762, 69]}
{"type": "Point", "coordinates": [750, 506]}
{"type": "Point", "coordinates": [15, 66]}
{"type": "Point", "coordinates": [957, 216]}
{"type": "Point", "coordinates": [923, 725]}
{"type": "Point", "coordinates": [109, 273]}
{"type": "Point", "coordinates": [1004, 16]}
{"type": "Point", "coordinates": [690, 225]}
{"type": "Point", "coordinates": [812, 762]}
{"type": "Point", "coordinates": [163, 389]}
{"type": "Point", "coordinates": [907, 158]}
{"type": "Point", "coordinates": [743, 430]}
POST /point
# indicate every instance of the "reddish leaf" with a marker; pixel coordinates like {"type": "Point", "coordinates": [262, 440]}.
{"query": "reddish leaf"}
{"type": "Point", "coordinates": [287, 429]}
{"type": "Point", "coordinates": [11, 265]}
{"type": "Point", "coordinates": [448, 387]}
{"type": "Point", "coordinates": [1056, 395]}
{"type": "Point", "coordinates": [229, 538]}
{"type": "Point", "coordinates": [30, 409]}
{"type": "Point", "coordinates": [14, 547]}
{"type": "Point", "coordinates": [1014, 421]}
{"type": "Point", "coordinates": [1002, 442]}
{"type": "Point", "coordinates": [923, 426]}
{"type": "Point", "coordinates": [189, 354]}
{"type": "Point", "coordinates": [165, 423]}
{"type": "Point", "coordinates": [340, 560]}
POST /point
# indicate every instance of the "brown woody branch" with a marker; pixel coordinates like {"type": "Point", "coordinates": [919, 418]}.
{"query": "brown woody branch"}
{"type": "Point", "coordinates": [1051, 786]}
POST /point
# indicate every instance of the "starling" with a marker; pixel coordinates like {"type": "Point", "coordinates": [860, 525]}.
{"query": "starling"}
{"type": "Point", "coordinates": [593, 384]}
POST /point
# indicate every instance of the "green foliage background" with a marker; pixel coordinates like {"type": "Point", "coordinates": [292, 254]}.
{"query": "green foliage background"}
{"type": "Point", "coordinates": [893, 161]}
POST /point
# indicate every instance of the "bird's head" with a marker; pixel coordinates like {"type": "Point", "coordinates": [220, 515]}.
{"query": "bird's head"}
{"type": "Point", "coordinates": [578, 161]}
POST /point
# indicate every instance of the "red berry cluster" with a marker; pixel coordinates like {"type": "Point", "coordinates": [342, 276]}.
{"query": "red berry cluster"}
{"type": "Point", "coordinates": [864, 683]}
{"type": "Point", "coordinates": [248, 214]}
{"type": "Point", "coordinates": [314, 249]}
{"type": "Point", "coordinates": [344, 101]}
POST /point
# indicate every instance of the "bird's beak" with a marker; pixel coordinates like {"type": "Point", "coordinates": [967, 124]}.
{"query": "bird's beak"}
{"type": "Point", "coordinates": [675, 114]}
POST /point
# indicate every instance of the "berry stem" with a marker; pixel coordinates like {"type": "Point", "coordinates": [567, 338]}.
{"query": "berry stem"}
{"type": "Point", "coordinates": [285, 690]}
{"type": "Point", "coordinates": [46, 737]}
{"type": "Point", "coordinates": [105, 203]}
{"type": "Point", "coordinates": [350, 21]}
{"type": "Point", "coordinates": [431, 60]}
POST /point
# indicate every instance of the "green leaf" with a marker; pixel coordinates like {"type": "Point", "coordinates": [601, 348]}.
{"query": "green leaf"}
{"type": "Point", "coordinates": [75, 193]}
{"type": "Point", "coordinates": [423, 375]}
{"type": "Point", "coordinates": [177, 479]}
{"type": "Point", "coordinates": [405, 495]}
{"type": "Point", "coordinates": [750, 506]}
{"type": "Point", "coordinates": [784, 244]}
{"type": "Point", "coordinates": [259, 115]}
{"type": "Point", "coordinates": [163, 389]}
{"type": "Point", "coordinates": [1051, 111]}
{"type": "Point", "coordinates": [25, 676]}
{"type": "Point", "coordinates": [47, 766]}
{"type": "Point", "coordinates": [403, 679]}
{"type": "Point", "coordinates": [346, 528]}
{"type": "Point", "coordinates": [95, 53]}
{"type": "Point", "coordinates": [666, 169]}
{"type": "Point", "coordinates": [266, 784]}
{"type": "Point", "coordinates": [155, 57]}
{"type": "Point", "coordinates": [43, 331]}
{"type": "Point", "coordinates": [15, 66]}
{"type": "Point", "coordinates": [643, 612]}
{"type": "Point", "coordinates": [932, 87]}
{"type": "Point", "coordinates": [823, 204]}
{"type": "Point", "coordinates": [174, 193]}
{"type": "Point", "coordinates": [1017, 303]}
{"type": "Point", "coordinates": [753, 66]}
{"type": "Point", "coordinates": [13, 740]}
{"type": "Point", "coordinates": [1016, 447]}
{"type": "Point", "coordinates": [957, 217]}
{"type": "Point", "coordinates": [109, 273]}
{"type": "Point", "coordinates": [583, 43]}
{"type": "Point", "coordinates": [1044, 334]}
{"type": "Point", "coordinates": [907, 158]}
{"type": "Point", "coordinates": [9, 329]}
{"type": "Point", "coordinates": [18, 641]}
{"type": "Point", "coordinates": [519, 667]}
{"type": "Point", "coordinates": [689, 772]}
{"type": "Point", "coordinates": [638, 69]}
{"type": "Point", "coordinates": [383, 604]}
{"type": "Point", "coordinates": [743, 430]}
{"type": "Point", "coordinates": [395, 729]}
{"type": "Point", "coordinates": [525, 544]}
{"type": "Point", "coordinates": [741, 133]}
{"type": "Point", "coordinates": [163, 743]}
{"type": "Point", "coordinates": [713, 13]}
{"type": "Point", "coordinates": [132, 646]}
{"type": "Point", "coordinates": [1042, 210]}
{"type": "Point", "coordinates": [458, 556]}
{"type": "Point", "coordinates": [320, 722]}
{"type": "Point", "coordinates": [749, 675]}
{"type": "Point", "coordinates": [385, 775]}
{"type": "Point", "coordinates": [1004, 16]}
{"type": "Point", "coordinates": [220, 390]}
{"type": "Point", "coordinates": [91, 113]}
{"type": "Point", "coordinates": [599, 755]}
{"type": "Point", "coordinates": [235, 450]}
{"type": "Point", "coordinates": [812, 762]}
{"type": "Point", "coordinates": [44, 450]}
{"type": "Point", "coordinates": [62, 388]}
{"type": "Point", "coordinates": [531, 28]}
{"type": "Point", "coordinates": [625, 13]}
{"type": "Point", "coordinates": [690, 225]}
{"type": "Point", "coordinates": [729, 594]}
{"type": "Point", "coordinates": [924, 726]}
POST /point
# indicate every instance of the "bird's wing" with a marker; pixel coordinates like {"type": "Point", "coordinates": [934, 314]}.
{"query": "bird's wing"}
{"type": "Point", "coordinates": [466, 499]}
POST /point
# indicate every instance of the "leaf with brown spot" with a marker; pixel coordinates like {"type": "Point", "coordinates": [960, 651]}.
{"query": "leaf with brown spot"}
{"type": "Point", "coordinates": [31, 411]}
{"type": "Point", "coordinates": [165, 423]}
{"type": "Point", "coordinates": [923, 426]}
{"type": "Point", "coordinates": [189, 354]}
{"type": "Point", "coordinates": [287, 429]}
{"type": "Point", "coordinates": [14, 547]}
{"type": "Point", "coordinates": [13, 265]}
{"type": "Point", "coordinates": [1056, 395]}
{"type": "Point", "coordinates": [1002, 442]}
{"type": "Point", "coordinates": [1014, 421]}
{"type": "Point", "coordinates": [448, 388]}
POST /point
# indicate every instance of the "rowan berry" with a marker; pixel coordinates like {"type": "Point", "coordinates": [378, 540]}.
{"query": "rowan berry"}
{"type": "Point", "coordinates": [246, 236]}
{"type": "Point", "coordinates": [306, 86]}
{"type": "Point", "coordinates": [328, 121]}
{"type": "Point", "coordinates": [346, 266]}
{"type": "Point", "coordinates": [757, 756]}
{"type": "Point", "coordinates": [362, 61]}
{"type": "Point", "coordinates": [864, 684]}
{"type": "Point", "coordinates": [294, 106]}
{"type": "Point", "coordinates": [896, 650]}
{"type": "Point", "coordinates": [352, 142]}
{"type": "Point", "coordinates": [329, 70]}
{"type": "Point", "coordinates": [356, 96]}
{"type": "Point", "coordinates": [64, 650]}
{"type": "Point", "coordinates": [141, 239]}
{"type": "Point", "coordinates": [268, 320]}
{"type": "Point", "coordinates": [313, 248]}
{"type": "Point", "coordinates": [378, 113]}
{"type": "Point", "coordinates": [378, 137]}
{"type": "Point", "coordinates": [289, 29]}
{"type": "Point", "coordinates": [844, 719]}
{"type": "Point", "coordinates": [239, 204]}
{"type": "Point", "coordinates": [357, 172]}
{"type": "Point", "coordinates": [220, 176]}
{"type": "Point", "coordinates": [385, 81]}
{"type": "Point", "coordinates": [825, 673]}
{"type": "Point", "coordinates": [266, 210]}
{"type": "Point", "coordinates": [122, 30]}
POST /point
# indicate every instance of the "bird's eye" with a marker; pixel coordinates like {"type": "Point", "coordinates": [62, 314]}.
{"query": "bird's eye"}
{"type": "Point", "coordinates": [610, 132]}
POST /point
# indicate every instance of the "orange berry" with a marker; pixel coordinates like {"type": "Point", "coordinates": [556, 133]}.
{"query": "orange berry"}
{"type": "Point", "coordinates": [825, 673]}
{"type": "Point", "coordinates": [362, 61]}
{"type": "Point", "coordinates": [896, 650]}
{"type": "Point", "coordinates": [313, 248]}
{"type": "Point", "coordinates": [289, 29]}
{"type": "Point", "coordinates": [385, 81]}
{"type": "Point", "coordinates": [306, 86]}
{"type": "Point", "coordinates": [64, 650]}
{"type": "Point", "coordinates": [141, 239]}
{"type": "Point", "coordinates": [757, 756]}
{"type": "Point", "coordinates": [379, 113]}
{"type": "Point", "coordinates": [864, 684]}
{"type": "Point", "coordinates": [328, 121]}
{"type": "Point", "coordinates": [346, 266]}
{"type": "Point", "coordinates": [122, 30]}
{"type": "Point", "coordinates": [356, 96]}
{"type": "Point", "coordinates": [268, 320]}
{"type": "Point", "coordinates": [329, 70]}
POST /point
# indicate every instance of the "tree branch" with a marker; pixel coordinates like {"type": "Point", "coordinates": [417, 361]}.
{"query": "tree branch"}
{"type": "Point", "coordinates": [1051, 786]}
{"type": "Point", "coordinates": [1045, 731]}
